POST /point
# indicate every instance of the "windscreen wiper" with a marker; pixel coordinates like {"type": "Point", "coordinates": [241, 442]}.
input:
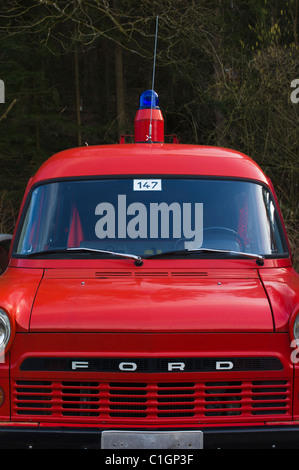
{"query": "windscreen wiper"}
{"type": "Point", "coordinates": [82, 249]}
{"type": "Point", "coordinates": [259, 258]}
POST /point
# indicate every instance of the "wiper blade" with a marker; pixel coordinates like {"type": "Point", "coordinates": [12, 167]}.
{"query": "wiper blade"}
{"type": "Point", "coordinates": [113, 253]}
{"type": "Point", "coordinates": [187, 251]}
{"type": "Point", "coordinates": [230, 252]}
{"type": "Point", "coordinates": [80, 249]}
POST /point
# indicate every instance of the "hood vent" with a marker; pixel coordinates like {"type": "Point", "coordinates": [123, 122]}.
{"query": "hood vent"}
{"type": "Point", "coordinates": [112, 274]}
{"type": "Point", "coordinates": [147, 274]}
{"type": "Point", "coordinates": [151, 273]}
{"type": "Point", "coordinates": [190, 274]}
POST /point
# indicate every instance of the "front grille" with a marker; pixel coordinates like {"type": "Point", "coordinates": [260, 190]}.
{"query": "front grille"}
{"type": "Point", "coordinates": [167, 402]}
{"type": "Point", "coordinates": [151, 365]}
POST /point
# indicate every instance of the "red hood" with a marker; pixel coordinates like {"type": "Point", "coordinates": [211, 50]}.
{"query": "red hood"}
{"type": "Point", "coordinates": [85, 301]}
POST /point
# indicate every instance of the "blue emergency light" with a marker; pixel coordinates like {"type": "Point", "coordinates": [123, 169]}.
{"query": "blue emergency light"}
{"type": "Point", "coordinates": [149, 99]}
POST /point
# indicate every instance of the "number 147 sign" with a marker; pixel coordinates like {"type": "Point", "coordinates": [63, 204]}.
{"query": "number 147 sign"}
{"type": "Point", "coordinates": [147, 185]}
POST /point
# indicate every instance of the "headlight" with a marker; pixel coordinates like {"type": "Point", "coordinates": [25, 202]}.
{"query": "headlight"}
{"type": "Point", "coordinates": [5, 330]}
{"type": "Point", "coordinates": [296, 327]}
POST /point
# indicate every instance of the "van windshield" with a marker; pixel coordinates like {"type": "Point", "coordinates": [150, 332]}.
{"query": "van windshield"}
{"type": "Point", "coordinates": [146, 216]}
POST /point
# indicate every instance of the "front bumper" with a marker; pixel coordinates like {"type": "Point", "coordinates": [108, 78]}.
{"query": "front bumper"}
{"type": "Point", "coordinates": [261, 437]}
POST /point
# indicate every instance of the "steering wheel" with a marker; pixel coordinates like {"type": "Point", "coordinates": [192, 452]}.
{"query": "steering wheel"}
{"type": "Point", "coordinates": [229, 230]}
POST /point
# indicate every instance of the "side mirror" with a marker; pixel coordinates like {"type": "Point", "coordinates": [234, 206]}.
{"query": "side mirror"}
{"type": "Point", "coordinates": [5, 241]}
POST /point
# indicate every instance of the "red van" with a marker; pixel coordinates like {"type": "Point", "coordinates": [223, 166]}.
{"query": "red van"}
{"type": "Point", "coordinates": [149, 300]}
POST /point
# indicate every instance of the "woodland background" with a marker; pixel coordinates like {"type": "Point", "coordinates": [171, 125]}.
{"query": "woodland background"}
{"type": "Point", "coordinates": [74, 70]}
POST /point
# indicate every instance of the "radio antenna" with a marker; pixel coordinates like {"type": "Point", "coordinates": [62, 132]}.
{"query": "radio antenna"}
{"type": "Point", "coordinates": [153, 81]}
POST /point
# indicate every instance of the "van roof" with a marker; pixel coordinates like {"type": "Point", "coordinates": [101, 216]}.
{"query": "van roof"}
{"type": "Point", "coordinates": [149, 159]}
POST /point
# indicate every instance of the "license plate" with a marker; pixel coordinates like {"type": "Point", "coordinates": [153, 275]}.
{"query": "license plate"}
{"type": "Point", "coordinates": [152, 440]}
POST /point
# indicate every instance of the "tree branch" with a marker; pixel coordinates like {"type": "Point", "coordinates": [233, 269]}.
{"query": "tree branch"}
{"type": "Point", "coordinates": [5, 114]}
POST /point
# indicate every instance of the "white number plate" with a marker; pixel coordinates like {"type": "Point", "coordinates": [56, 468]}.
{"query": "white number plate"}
{"type": "Point", "coordinates": [152, 440]}
{"type": "Point", "coordinates": [147, 185]}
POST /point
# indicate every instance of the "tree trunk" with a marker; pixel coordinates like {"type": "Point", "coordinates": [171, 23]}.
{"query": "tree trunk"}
{"type": "Point", "coordinates": [78, 103]}
{"type": "Point", "coordinates": [120, 96]}
{"type": "Point", "coordinates": [218, 74]}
